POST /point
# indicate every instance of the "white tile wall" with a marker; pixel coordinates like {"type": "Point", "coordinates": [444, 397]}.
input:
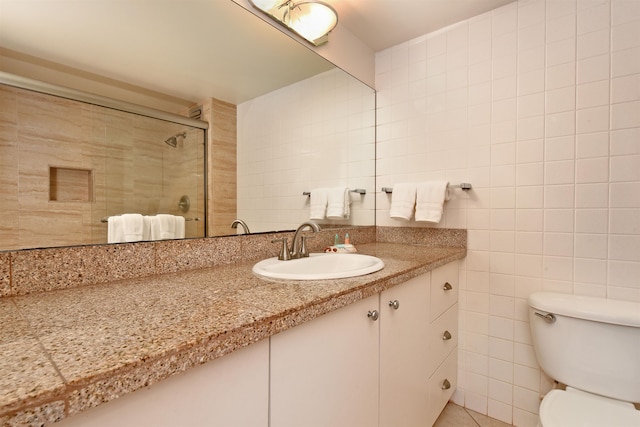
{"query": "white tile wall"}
{"type": "Point", "coordinates": [537, 104]}
{"type": "Point", "coordinates": [316, 133]}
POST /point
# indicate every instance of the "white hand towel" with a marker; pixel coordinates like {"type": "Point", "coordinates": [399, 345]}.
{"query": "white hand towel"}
{"type": "Point", "coordinates": [115, 232]}
{"type": "Point", "coordinates": [338, 201]}
{"type": "Point", "coordinates": [179, 231]}
{"type": "Point", "coordinates": [403, 199]}
{"type": "Point", "coordinates": [132, 226]}
{"type": "Point", "coordinates": [146, 227]}
{"type": "Point", "coordinates": [430, 200]}
{"type": "Point", "coordinates": [347, 203]}
{"type": "Point", "coordinates": [318, 203]}
{"type": "Point", "coordinates": [163, 227]}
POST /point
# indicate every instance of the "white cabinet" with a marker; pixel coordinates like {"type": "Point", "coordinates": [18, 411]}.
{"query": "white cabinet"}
{"type": "Point", "coordinates": [343, 369]}
{"type": "Point", "coordinates": [325, 372]}
{"type": "Point", "coordinates": [230, 391]}
{"type": "Point", "coordinates": [418, 364]}
{"type": "Point", "coordinates": [442, 338]}
{"type": "Point", "coordinates": [404, 352]}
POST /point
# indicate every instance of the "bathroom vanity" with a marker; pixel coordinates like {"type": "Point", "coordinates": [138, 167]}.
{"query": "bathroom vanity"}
{"type": "Point", "coordinates": [235, 349]}
{"type": "Point", "coordinates": [386, 360]}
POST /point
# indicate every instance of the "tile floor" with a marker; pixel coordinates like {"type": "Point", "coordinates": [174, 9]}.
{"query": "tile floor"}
{"type": "Point", "coordinates": [457, 416]}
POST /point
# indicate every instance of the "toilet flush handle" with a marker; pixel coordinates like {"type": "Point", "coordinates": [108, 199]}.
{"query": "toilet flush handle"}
{"type": "Point", "coordinates": [549, 317]}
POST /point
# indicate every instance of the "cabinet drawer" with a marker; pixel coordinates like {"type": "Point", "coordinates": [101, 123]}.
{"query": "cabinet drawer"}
{"type": "Point", "coordinates": [440, 345]}
{"type": "Point", "coordinates": [442, 384]}
{"type": "Point", "coordinates": [444, 288]}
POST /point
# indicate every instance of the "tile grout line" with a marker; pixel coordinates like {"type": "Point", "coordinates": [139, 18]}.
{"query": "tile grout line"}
{"type": "Point", "coordinates": [471, 417]}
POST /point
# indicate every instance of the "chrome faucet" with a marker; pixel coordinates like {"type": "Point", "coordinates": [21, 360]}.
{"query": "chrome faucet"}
{"type": "Point", "coordinates": [299, 250]}
{"type": "Point", "coordinates": [244, 225]}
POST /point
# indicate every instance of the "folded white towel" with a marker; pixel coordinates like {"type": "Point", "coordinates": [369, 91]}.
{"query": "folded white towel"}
{"type": "Point", "coordinates": [146, 227]}
{"type": "Point", "coordinates": [163, 227]}
{"type": "Point", "coordinates": [179, 230]}
{"type": "Point", "coordinates": [132, 227]}
{"type": "Point", "coordinates": [347, 203]}
{"type": "Point", "coordinates": [403, 199]}
{"type": "Point", "coordinates": [318, 203]}
{"type": "Point", "coordinates": [127, 228]}
{"type": "Point", "coordinates": [338, 203]}
{"type": "Point", "coordinates": [430, 200]}
{"type": "Point", "coordinates": [115, 232]}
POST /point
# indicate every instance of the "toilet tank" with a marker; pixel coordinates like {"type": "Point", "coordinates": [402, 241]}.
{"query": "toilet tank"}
{"type": "Point", "coordinates": [592, 344]}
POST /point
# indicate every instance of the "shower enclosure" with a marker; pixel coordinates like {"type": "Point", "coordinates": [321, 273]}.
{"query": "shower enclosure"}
{"type": "Point", "coordinates": [68, 165]}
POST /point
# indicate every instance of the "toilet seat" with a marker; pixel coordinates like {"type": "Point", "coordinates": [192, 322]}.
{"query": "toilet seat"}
{"type": "Point", "coordinates": [572, 407]}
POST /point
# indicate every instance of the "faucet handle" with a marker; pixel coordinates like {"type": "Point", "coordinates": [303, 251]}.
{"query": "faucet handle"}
{"type": "Point", "coordinates": [284, 254]}
{"type": "Point", "coordinates": [303, 253]}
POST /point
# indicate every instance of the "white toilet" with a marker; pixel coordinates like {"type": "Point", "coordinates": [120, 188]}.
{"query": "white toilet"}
{"type": "Point", "coordinates": [593, 346]}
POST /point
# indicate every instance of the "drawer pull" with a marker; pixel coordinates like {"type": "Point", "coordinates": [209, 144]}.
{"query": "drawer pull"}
{"type": "Point", "coordinates": [446, 336]}
{"type": "Point", "coordinates": [446, 385]}
{"type": "Point", "coordinates": [447, 286]}
{"type": "Point", "coordinates": [373, 315]}
{"type": "Point", "coordinates": [395, 304]}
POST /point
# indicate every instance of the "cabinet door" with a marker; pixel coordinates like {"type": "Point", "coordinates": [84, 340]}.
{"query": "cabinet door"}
{"type": "Point", "coordinates": [230, 391]}
{"type": "Point", "coordinates": [404, 353]}
{"type": "Point", "coordinates": [325, 372]}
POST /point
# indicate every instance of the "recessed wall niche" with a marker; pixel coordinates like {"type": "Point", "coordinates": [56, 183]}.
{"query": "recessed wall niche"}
{"type": "Point", "coordinates": [70, 185]}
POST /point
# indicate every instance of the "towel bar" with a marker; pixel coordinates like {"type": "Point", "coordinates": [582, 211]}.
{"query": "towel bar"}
{"type": "Point", "coordinates": [463, 186]}
{"type": "Point", "coordinates": [106, 219]}
{"type": "Point", "coordinates": [357, 190]}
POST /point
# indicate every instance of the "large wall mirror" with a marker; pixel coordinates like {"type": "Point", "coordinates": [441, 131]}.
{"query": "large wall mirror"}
{"type": "Point", "coordinates": [300, 122]}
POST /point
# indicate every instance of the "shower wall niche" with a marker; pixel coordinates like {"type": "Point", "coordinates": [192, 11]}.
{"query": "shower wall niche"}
{"type": "Point", "coordinates": [70, 185]}
{"type": "Point", "coordinates": [66, 166]}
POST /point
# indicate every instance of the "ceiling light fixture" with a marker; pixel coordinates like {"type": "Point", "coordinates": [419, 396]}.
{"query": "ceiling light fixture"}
{"type": "Point", "coordinates": [311, 20]}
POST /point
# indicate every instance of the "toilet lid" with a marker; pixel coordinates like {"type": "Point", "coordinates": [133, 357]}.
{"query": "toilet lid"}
{"type": "Point", "coordinates": [561, 408]}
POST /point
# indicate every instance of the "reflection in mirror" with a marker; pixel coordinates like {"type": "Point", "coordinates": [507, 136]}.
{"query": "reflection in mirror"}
{"type": "Point", "coordinates": [314, 134]}
{"type": "Point", "coordinates": [79, 164]}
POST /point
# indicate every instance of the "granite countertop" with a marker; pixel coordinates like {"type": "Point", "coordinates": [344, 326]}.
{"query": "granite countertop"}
{"type": "Point", "coordinates": [64, 351]}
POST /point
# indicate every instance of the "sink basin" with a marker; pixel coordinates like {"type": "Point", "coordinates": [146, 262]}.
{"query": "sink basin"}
{"type": "Point", "coordinates": [319, 267]}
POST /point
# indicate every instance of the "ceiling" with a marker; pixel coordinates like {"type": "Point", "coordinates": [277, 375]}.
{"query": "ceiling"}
{"type": "Point", "coordinates": [384, 23]}
{"type": "Point", "coordinates": [190, 49]}
{"type": "Point", "coordinates": [187, 49]}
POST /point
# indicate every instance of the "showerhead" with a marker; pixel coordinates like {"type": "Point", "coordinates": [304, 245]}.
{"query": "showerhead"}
{"type": "Point", "coordinates": [172, 141]}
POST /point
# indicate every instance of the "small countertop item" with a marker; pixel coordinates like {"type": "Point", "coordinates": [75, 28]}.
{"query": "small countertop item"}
{"type": "Point", "coordinates": [341, 249]}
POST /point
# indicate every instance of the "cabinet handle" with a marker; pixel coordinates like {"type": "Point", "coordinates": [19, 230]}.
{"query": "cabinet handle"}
{"type": "Point", "coordinates": [446, 336]}
{"type": "Point", "coordinates": [446, 385]}
{"type": "Point", "coordinates": [447, 286]}
{"type": "Point", "coordinates": [395, 304]}
{"type": "Point", "coordinates": [373, 315]}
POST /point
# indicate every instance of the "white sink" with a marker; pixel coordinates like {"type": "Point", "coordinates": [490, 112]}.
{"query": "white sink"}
{"type": "Point", "coordinates": [319, 267]}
